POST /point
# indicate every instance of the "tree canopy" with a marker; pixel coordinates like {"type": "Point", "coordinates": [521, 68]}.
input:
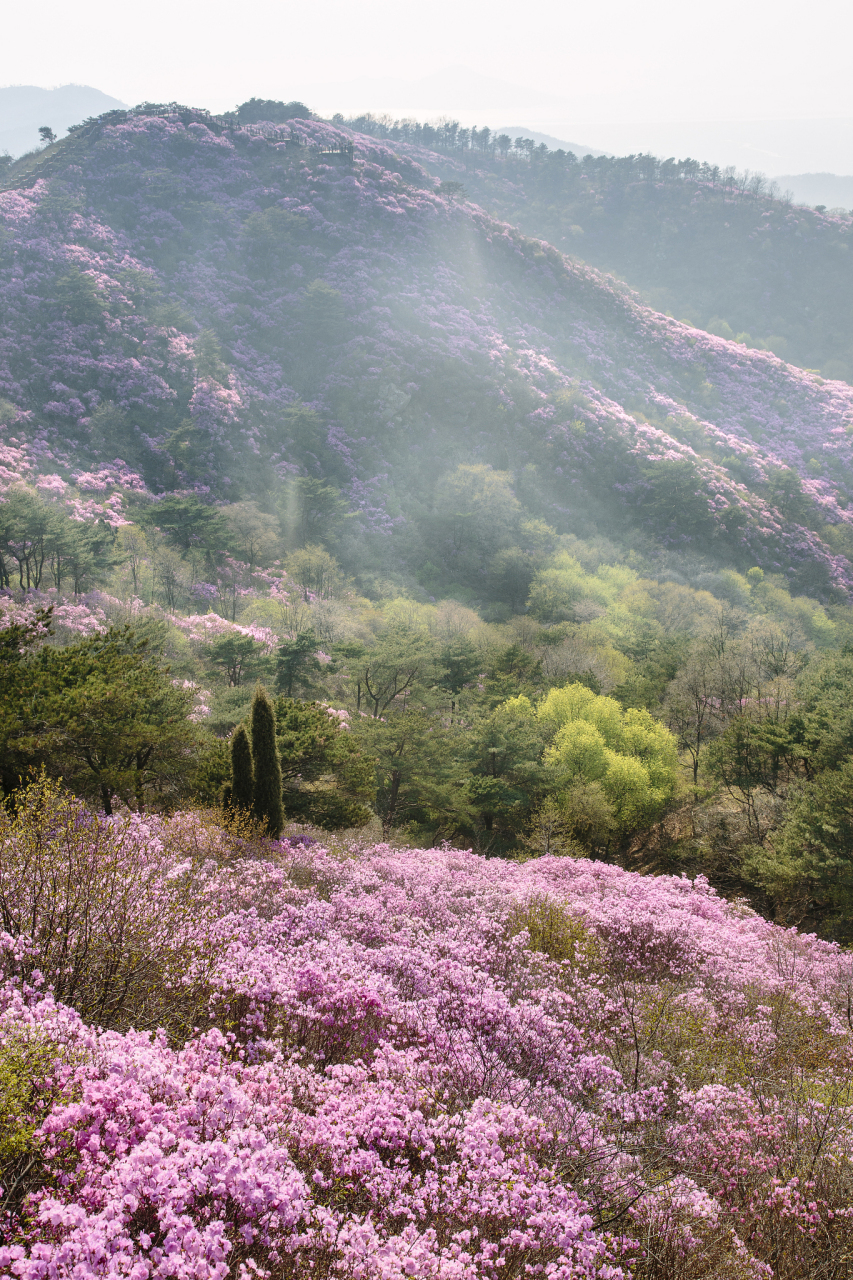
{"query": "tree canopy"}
{"type": "Point", "coordinates": [102, 714]}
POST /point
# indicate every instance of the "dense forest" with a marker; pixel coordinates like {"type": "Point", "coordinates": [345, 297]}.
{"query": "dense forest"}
{"type": "Point", "coordinates": [613, 714]}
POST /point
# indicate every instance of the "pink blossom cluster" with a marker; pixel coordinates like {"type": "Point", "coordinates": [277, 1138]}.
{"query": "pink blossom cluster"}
{"type": "Point", "coordinates": [422, 1063]}
{"type": "Point", "coordinates": [215, 409]}
{"type": "Point", "coordinates": [72, 617]}
{"type": "Point", "coordinates": [201, 707]}
{"type": "Point", "coordinates": [117, 476]}
{"type": "Point", "coordinates": [51, 486]}
{"type": "Point", "coordinates": [15, 463]}
{"type": "Point", "coordinates": [20, 465]}
{"type": "Point", "coordinates": [204, 627]}
{"type": "Point", "coordinates": [337, 714]}
{"type": "Point", "coordinates": [110, 510]}
{"type": "Point", "coordinates": [20, 611]}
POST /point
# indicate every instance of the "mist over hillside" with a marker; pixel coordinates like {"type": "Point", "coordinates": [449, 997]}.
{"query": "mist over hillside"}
{"type": "Point", "coordinates": [223, 308]}
{"type": "Point", "coordinates": [725, 250]}
{"type": "Point", "coordinates": [832, 190]}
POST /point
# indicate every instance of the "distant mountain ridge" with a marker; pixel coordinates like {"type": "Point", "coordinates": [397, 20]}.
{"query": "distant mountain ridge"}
{"type": "Point", "coordinates": [829, 189]}
{"type": "Point", "coordinates": [240, 305]}
{"type": "Point", "coordinates": [552, 143]}
{"type": "Point", "coordinates": [25, 108]}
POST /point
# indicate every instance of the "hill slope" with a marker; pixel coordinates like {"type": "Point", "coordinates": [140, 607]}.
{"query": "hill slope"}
{"type": "Point", "coordinates": [222, 307]}
{"type": "Point", "coordinates": [710, 246]}
{"type": "Point", "coordinates": [408, 1063]}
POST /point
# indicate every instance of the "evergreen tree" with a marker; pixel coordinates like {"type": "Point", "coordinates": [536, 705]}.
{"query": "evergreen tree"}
{"type": "Point", "coordinates": [102, 713]}
{"type": "Point", "coordinates": [327, 779]}
{"type": "Point", "coordinates": [242, 776]}
{"type": "Point", "coordinates": [297, 663]}
{"type": "Point", "coordinates": [268, 807]}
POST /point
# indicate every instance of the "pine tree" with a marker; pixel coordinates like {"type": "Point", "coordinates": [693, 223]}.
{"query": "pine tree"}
{"type": "Point", "coordinates": [268, 807]}
{"type": "Point", "coordinates": [242, 778]}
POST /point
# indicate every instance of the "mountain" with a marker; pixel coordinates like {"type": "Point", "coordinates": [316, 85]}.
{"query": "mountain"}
{"type": "Point", "coordinates": [552, 143]}
{"type": "Point", "coordinates": [832, 190]}
{"type": "Point", "coordinates": [24, 108]}
{"type": "Point", "coordinates": [222, 308]}
{"type": "Point", "coordinates": [721, 250]}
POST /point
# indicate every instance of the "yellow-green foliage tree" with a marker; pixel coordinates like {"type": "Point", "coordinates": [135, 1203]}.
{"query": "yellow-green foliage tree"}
{"type": "Point", "coordinates": [633, 756]}
{"type": "Point", "coordinates": [623, 763]}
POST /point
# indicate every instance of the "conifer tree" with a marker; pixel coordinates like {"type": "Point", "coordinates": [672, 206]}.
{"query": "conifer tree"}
{"type": "Point", "coordinates": [242, 778]}
{"type": "Point", "coordinates": [268, 807]}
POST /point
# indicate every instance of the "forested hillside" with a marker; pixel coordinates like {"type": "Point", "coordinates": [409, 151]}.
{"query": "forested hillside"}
{"type": "Point", "coordinates": [525, 563]}
{"type": "Point", "coordinates": [722, 250]}
{"type": "Point", "coordinates": [224, 310]}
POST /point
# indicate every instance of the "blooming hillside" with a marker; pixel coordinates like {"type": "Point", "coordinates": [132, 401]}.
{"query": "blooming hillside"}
{"type": "Point", "coordinates": [219, 308]}
{"type": "Point", "coordinates": [728, 251]}
{"type": "Point", "coordinates": [388, 1063]}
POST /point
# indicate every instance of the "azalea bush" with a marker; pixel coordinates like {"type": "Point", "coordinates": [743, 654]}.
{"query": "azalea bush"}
{"type": "Point", "coordinates": [378, 1062]}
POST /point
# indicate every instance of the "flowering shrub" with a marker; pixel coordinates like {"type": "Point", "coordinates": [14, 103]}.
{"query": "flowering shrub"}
{"type": "Point", "coordinates": [203, 627]}
{"type": "Point", "coordinates": [386, 1063]}
{"type": "Point", "coordinates": [87, 615]}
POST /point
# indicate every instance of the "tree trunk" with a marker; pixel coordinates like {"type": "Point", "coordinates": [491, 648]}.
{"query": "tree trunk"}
{"type": "Point", "coordinates": [392, 801]}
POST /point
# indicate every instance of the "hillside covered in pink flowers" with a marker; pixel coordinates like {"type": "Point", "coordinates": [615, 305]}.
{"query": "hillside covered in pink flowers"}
{"type": "Point", "coordinates": [199, 308]}
{"type": "Point", "coordinates": [727, 251]}
{"type": "Point", "coordinates": [225, 1056]}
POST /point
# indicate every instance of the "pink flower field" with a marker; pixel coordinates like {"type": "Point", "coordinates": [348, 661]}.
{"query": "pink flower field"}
{"type": "Point", "coordinates": [225, 1056]}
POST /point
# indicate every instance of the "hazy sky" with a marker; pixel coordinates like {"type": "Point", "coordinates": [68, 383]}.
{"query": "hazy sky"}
{"type": "Point", "coordinates": [614, 60]}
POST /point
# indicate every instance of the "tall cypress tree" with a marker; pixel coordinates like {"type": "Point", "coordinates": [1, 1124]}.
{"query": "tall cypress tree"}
{"type": "Point", "coordinates": [268, 807]}
{"type": "Point", "coordinates": [242, 777]}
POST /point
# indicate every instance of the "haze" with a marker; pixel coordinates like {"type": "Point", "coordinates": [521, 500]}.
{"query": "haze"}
{"type": "Point", "coordinates": [615, 75]}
